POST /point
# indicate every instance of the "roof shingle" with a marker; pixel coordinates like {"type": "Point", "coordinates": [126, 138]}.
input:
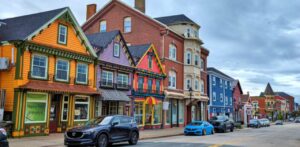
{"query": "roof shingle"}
{"type": "Point", "coordinates": [138, 51]}
{"type": "Point", "coordinates": [101, 40]}
{"type": "Point", "coordinates": [175, 19]}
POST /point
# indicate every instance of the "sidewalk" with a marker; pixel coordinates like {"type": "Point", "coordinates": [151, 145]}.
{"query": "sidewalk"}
{"type": "Point", "coordinates": [57, 140]}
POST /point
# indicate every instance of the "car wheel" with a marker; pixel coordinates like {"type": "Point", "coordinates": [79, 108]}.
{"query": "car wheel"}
{"type": "Point", "coordinates": [102, 141]}
{"type": "Point", "coordinates": [203, 132]}
{"type": "Point", "coordinates": [134, 138]}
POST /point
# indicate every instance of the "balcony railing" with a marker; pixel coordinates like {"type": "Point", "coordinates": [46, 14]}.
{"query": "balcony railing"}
{"type": "Point", "coordinates": [148, 92]}
{"type": "Point", "coordinates": [110, 85]}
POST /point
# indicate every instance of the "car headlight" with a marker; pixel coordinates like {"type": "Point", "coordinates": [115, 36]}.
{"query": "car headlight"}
{"type": "Point", "coordinates": [3, 131]}
{"type": "Point", "coordinates": [89, 132]}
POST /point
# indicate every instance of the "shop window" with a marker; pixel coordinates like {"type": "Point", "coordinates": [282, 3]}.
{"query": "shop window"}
{"type": "Point", "coordinates": [81, 76]}
{"type": "Point", "coordinates": [62, 70]}
{"type": "Point", "coordinates": [148, 114]}
{"type": "Point", "coordinates": [62, 34]}
{"type": "Point", "coordinates": [106, 78]}
{"type": "Point", "coordinates": [81, 108]}
{"type": "Point", "coordinates": [168, 120]}
{"type": "Point", "coordinates": [65, 109]}
{"type": "Point", "coordinates": [138, 113]}
{"type": "Point", "coordinates": [116, 50]}
{"type": "Point", "coordinates": [122, 80]}
{"type": "Point", "coordinates": [113, 108]}
{"type": "Point", "coordinates": [103, 26]}
{"type": "Point", "coordinates": [157, 113]}
{"type": "Point", "coordinates": [36, 108]}
{"type": "Point", "coordinates": [121, 108]}
{"type": "Point", "coordinates": [181, 112]}
{"type": "Point", "coordinates": [39, 66]}
{"type": "Point", "coordinates": [127, 25]}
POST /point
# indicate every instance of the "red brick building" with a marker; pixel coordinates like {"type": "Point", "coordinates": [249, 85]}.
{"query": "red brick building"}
{"type": "Point", "coordinates": [291, 100]}
{"type": "Point", "coordinates": [237, 101]}
{"type": "Point", "coordinates": [258, 107]}
{"type": "Point", "coordinates": [204, 55]}
{"type": "Point", "coordinates": [138, 28]}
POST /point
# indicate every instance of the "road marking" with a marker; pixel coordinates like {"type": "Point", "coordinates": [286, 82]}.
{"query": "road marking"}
{"type": "Point", "coordinates": [216, 145]}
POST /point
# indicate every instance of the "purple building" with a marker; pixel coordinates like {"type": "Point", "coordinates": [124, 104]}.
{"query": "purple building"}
{"type": "Point", "coordinates": [114, 73]}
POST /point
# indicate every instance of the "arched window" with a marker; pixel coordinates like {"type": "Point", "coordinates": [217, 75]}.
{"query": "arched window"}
{"type": "Point", "coordinates": [202, 64]}
{"type": "Point", "coordinates": [172, 52]}
{"type": "Point", "coordinates": [188, 57]}
{"type": "Point", "coordinates": [127, 24]}
{"type": "Point", "coordinates": [103, 26]}
{"type": "Point", "coordinates": [172, 79]}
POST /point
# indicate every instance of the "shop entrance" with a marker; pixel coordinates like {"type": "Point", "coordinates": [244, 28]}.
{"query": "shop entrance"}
{"type": "Point", "coordinates": [174, 113]}
{"type": "Point", "coordinates": [54, 111]}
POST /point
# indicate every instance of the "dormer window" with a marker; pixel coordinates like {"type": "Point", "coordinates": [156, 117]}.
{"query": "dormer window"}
{"type": "Point", "coordinates": [127, 24]}
{"type": "Point", "coordinates": [116, 50]}
{"type": "Point", "coordinates": [62, 34]}
{"type": "Point", "coordinates": [103, 26]}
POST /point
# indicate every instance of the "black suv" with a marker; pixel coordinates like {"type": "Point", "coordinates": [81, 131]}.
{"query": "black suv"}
{"type": "Point", "coordinates": [222, 123]}
{"type": "Point", "coordinates": [104, 131]}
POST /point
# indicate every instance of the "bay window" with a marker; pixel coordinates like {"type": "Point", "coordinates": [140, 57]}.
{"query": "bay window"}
{"type": "Point", "coordinates": [196, 84]}
{"type": "Point", "coordinates": [197, 60]}
{"type": "Point", "coordinates": [81, 109]}
{"type": "Point", "coordinates": [39, 66]}
{"type": "Point", "coordinates": [81, 70]}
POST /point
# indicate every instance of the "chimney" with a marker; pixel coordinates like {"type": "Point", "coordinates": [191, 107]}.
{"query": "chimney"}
{"type": "Point", "coordinates": [140, 5]}
{"type": "Point", "coordinates": [90, 10]}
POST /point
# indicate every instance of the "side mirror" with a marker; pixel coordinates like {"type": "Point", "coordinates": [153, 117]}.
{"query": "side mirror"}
{"type": "Point", "coordinates": [115, 123]}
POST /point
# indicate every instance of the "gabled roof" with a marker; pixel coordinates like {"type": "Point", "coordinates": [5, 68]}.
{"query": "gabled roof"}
{"type": "Point", "coordinates": [269, 90]}
{"type": "Point", "coordinates": [101, 40]}
{"type": "Point", "coordinates": [214, 70]}
{"type": "Point", "coordinates": [237, 83]}
{"type": "Point", "coordinates": [23, 28]}
{"type": "Point", "coordinates": [245, 98]}
{"type": "Point", "coordinates": [283, 94]}
{"type": "Point", "coordinates": [138, 51]}
{"type": "Point", "coordinates": [175, 19]}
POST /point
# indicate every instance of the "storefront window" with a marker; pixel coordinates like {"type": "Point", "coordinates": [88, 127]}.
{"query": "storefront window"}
{"type": "Point", "coordinates": [36, 108]}
{"type": "Point", "coordinates": [148, 114]}
{"type": "Point", "coordinates": [81, 108]}
{"type": "Point", "coordinates": [181, 112]}
{"type": "Point", "coordinates": [113, 108]}
{"type": "Point", "coordinates": [65, 108]}
{"type": "Point", "coordinates": [169, 114]}
{"type": "Point", "coordinates": [121, 108]}
{"type": "Point", "coordinates": [138, 113]}
{"type": "Point", "coordinates": [157, 113]}
{"type": "Point", "coordinates": [174, 112]}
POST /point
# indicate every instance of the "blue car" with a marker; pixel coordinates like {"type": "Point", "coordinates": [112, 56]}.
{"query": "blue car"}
{"type": "Point", "coordinates": [199, 128]}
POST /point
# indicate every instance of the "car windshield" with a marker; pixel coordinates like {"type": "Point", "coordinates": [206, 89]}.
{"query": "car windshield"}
{"type": "Point", "coordinates": [253, 121]}
{"type": "Point", "coordinates": [196, 123]}
{"type": "Point", "coordinates": [99, 121]}
{"type": "Point", "coordinates": [218, 118]}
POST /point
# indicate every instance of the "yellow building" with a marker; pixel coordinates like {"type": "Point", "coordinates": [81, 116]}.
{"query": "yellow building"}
{"type": "Point", "coordinates": [46, 73]}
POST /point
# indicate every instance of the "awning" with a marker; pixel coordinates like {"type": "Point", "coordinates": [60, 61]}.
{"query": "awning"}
{"type": "Point", "coordinates": [151, 100]}
{"type": "Point", "coordinates": [174, 95]}
{"type": "Point", "coordinates": [45, 86]}
{"type": "Point", "coordinates": [114, 95]}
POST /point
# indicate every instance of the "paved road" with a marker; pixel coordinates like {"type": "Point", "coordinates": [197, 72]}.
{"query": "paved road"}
{"type": "Point", "coordinates": [274, 136]}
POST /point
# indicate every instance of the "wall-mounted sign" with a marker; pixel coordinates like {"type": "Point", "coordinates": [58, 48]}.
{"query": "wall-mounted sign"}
{"type": "Point", "coordinates": [166, 105]}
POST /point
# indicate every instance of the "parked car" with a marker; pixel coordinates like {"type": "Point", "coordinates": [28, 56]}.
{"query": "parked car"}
{"type": "Point", "coordinates": [199, 128]}
{"type": "Point", "coordinates": [297, 120]}
{"type": "Point", "coordinates": [265, 122]}
{"type": "Point", "coordinates": [291, 119]}
{"type": "Point", "coordinates": [103, 131]}
{"type": "Point", "coordinates": [278, 122]}
{"type": "Point", "coordinates": [222, 123]}
{"type": "Point", "coordinates": [262, 122]}
{"type": "Point", "coordinates": [254, 123]}
{"type": "Point", "coordinates": [3, 138]}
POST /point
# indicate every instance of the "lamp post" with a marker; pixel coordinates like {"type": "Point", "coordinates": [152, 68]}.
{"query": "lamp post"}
{"type": "Point", "coordinates": [191, 92]}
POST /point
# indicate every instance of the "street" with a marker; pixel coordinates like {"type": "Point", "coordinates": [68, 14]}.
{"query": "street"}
{"type": "Point", "coordinates": [287, 135]}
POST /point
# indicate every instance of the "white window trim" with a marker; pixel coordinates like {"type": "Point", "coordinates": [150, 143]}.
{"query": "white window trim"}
{"type": "Point", "coordinates": [86, 77]}
{"type": "Point", "coordinates": [172, 47]}
{"type": "Point", "coordinates": [106, 78]}
{"type": "Point", "coordinates": [221, 97]}
{"type": "Point", "coordinates": [187, 57]}
{"type": "Point", "coordinates": [46, 68]}
{"type": "Point", "coordinates": [214, 96]}
{"type": "Point", "coordinates": [88, 103]}
{"type": "Point", "coordinates": [62, 108]}
{"type": "Point", "coordinates": [214, 80]}
{"type": "Point", "coordinates": [171, 75]}
{"type": "Point", "coordinates": [202, 90]}
{"type": "Point", "coordinates": [105, 23]}
{"type": "Point", "coordinates": [66, 35]}
{"type": "Point", "coordinates": [226, 100]}
{"type": "Point", "coordinates": [127, 19]}
{"type": "Point", "coordinates": [46, 112]}
{"type": "Point", "coordinates": [119, 50]}
{"type": "Point", "coordinates": [199, 85]}
{"type": "Point", "coordinates": [127, 81]}
{"type": "Point", "coordinates": [68, 70]}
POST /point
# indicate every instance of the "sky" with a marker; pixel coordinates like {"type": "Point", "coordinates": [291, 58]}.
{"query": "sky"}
{"type": "Point", "coordinates": [255, 41]}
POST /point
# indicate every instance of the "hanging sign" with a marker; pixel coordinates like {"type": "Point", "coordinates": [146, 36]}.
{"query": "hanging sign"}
{"type": "Point", "coordinates": [165, 105]}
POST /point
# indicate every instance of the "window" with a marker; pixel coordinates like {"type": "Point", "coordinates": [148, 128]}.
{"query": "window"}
{"type": "Point", "coordinates": [225, 85]}
{"type": "Point", "coordinates": [81, 112]}
{"type": "Point", "coordinates": [196, 33]}
{"type": "Point", "coordinates": [62, 34]}
{"type": "Point", "coordinates": [172, 79]}
{"type": "Point", "coordinates": [81, 76]}
{"type": "Point", "coordinates": [181, 112]}
{"type": "Point", "coordinates": [230, 100]}
{"type": "Point", "coordinates": [107, 78]}
{"type": "Point", "coordinates": [39, 66]}
{"type": "Point", "coordinates": [221, 83]}
{"type": "Point", "coordinates": [141, 83]}
{"type": "Point", "coordinates": [221, 97]}
{"type": "Point", "coordinates": [138, 113]}
{"type": "Point", "coordinates": [188, 83]}
{"type": "Point", "coordinates": [36, 108]}
{"type": "Point", "coordinates": [226, 100]}
{"type": "Point", "coordinates": [157, 113]}
{"type": "Point", "coordinates": [214, 80]}
{"type": "Point", "coordinates": [122, 80]}
{"type": "Point", "coordinates": [202, 87]}
{"type": "Point", "coordinates": [113, 108]}
{"type": "Point", "coordinates": [197, 60]}
{"type": "Point", "coordinates": [214, 110]}
{"type": "Point", "coordinates": [149, 85]}
{"type": "Point", "coordinates": [214, 96]}
{"type": "Point", "coordinates": [157, 86]}
{"type": "Point", "coordinates": [202, 64]}
{"type": "Point", "coordinates": [149, 61]}
{"type": "Point", "coordinates": [196, 84]}
{"type": "Point", "coordinates": [188, 32]}
{"type": "Point", "coordinates": [188, 57]}
{"type": "Point", "coordinates": [65, 107]}
{"type": "Point", "coordinates": [127, 24]}
{"type": "Point", "coordinates": [172, 52]}
{"type": "Point", "coordinates": [62, 70]}
{"type": "Point", "coordinates": [116, 50]}
{"type": "Point", "coordinates": [103, 26]}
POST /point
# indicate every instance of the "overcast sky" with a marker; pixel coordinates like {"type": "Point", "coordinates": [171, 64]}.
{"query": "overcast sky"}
{"type": "Point", "coordinates": [255, 41]}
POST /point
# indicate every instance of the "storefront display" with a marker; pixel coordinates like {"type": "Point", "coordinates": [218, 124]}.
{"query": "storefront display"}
{"type": "Point", "coordinates": [36, 108]}
{"type": "Point", "coordinates": [81, 108]}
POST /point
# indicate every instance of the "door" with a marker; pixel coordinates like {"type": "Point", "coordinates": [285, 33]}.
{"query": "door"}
{"type": "Point", "coordinates": [174, 113]}
{"type": "Point", "coordinates": [120, 128]}
{"type": "Point", "coordinates": [54, 110]}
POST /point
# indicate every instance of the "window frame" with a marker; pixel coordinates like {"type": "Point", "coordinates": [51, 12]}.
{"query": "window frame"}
{"type": "Point", "coordinates": [103, 22]}
{"type": "Point", "coordinates": [202, 64]}
{"type": "Point", "coordinates": [68, 70]}
{"type": "Point", "coordinates": [46, 66]}
{"type": "Point", "coordinates": [125, 27]}
{"type": "Point", "coordinates": [214, 80]}
{"type": "Point", "coordinates": [106, 78]}
{"type": "Point", "coordinates": [172, 76]}
{"type": "Point", "coordinates": [63, 106]}
{"type": "Point", "coordinates": [37, 101]}
{"type": "Point", "coordinates": [87, 73]}
{"type": "Point", "coordinates": [172, 48]}
{"type": "Point", "coordinates": [88, 103]}
{"type": "Point", "coordinates": [141, 88]}
{"type": "Point", "coordinates": [214, 96]}
{"type": "Point", "coordinates": [221, 97]}
{"type": "Point", "coordinates": [197, 83]}
{"type": "Point", "coordinates": [59, 33]}
{"type": "Point", "coordinates": [122, 75]}
{"type": "Point", "coordinates": [202, 89]}
{"type": "Point", "coordinates": [197, 60]}
{"type": "Point", "coordinates": [188, 61]}
{"type": "Point", "coordinates": [119, 49]}
{"type": "Point", "coordinates": [150, 62]}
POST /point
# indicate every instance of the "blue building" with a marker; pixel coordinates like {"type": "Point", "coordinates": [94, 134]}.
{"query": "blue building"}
{"type": "Point", "coordinates": [220, 93]}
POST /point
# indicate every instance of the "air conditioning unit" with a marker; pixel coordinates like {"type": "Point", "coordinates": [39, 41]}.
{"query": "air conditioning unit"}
{"type": "Point", "coordinates": [4, 63]}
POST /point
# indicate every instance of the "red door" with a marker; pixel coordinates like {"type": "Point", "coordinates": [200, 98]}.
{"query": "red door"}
{"type": "Point", "coordinates": [54, 109]}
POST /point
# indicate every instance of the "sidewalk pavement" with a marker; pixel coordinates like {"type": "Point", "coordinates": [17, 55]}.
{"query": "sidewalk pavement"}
{"type": "Point", "coordinates": [57, 140]}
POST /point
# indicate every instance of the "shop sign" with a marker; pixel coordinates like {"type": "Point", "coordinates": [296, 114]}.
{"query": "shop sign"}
{"type": "Point", "coordinates": [165, 105]}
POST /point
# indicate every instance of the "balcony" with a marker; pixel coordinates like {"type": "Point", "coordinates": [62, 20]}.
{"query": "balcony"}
{"type": "Point", "coordinates": [109, 85]}
{"type": "Point", "coordinates": [148, 92]}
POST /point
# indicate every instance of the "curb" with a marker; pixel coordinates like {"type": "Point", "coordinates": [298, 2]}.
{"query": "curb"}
{"type": "Point", "coordinates": [155, 137]}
